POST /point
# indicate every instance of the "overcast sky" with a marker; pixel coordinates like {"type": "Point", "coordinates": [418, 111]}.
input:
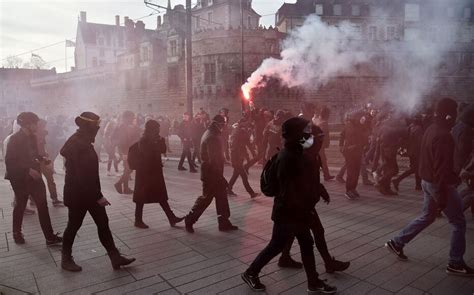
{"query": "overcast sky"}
{"type": "Point", "coordinates": [29, 24]}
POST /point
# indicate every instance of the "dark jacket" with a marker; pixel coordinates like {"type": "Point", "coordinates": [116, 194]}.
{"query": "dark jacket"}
{"type": "Point", "coordinates": [298, 188]}
{"type": "Point", "coordinates": [324, 125]}
{"type": "Point", "coordinates": [436, 158]}
{"type": "Point", "coordinates": [21, 156]}
{"type": "Point", "coordinates": [212, 155]}
{"type": "Point", "coordinates": [240, 140]}
{"type": "Point", "coordinates": [355, 137]}
{"type": "Point", "coordinates": [124, 136]}
{"type": "Point", "coordinates": [145, 157]}
{"type": "Point", "coordinates": [185, 132]}
{"type": "Point", "coordinates": [82, 182]}
{"type": "Point", "coordinates": [415, 137]}
{"type": "Point", "coordinates": [463, 136]}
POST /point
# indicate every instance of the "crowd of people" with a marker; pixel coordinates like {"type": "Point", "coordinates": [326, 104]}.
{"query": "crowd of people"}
{"type": "Point", "coordinates": [292, 149]}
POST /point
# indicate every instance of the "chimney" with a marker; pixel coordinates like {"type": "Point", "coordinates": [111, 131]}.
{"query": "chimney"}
{"type": "Point", "coordinates": [125, 19]}
{"type": "Point", "coordinates": [83, 17]}
{"type": "Point", "coordinates": [158, 21]}
{"type": "Point", "coordinates": [117, 20]}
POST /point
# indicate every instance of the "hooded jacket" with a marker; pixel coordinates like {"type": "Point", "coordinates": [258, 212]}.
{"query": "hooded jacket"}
{"type": "Point", "coordinates": [212, 154]}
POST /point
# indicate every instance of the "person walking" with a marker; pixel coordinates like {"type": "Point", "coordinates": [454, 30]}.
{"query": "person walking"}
{"type": "Point", "coordinates": [214, 185]}
{"type": "Point", "coordinates": [82, 192]}
{"type": "Point", "coordinates": [323, 122]}
{"type": "Point", "coordinates": [439, 183]}
{"type": "Point", "coordinates": [185, 133]}
{"type": "Point", "coordinates": [23, 170]}
{"type": "Point", "coordinates": [145, 157]}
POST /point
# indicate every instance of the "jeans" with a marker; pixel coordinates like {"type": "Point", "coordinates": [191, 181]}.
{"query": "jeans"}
{"type": "Point", "coordinates": [37, 190]}
{"type": "Point", "coordinates": [282, 233]}
{"type": "Point", "coordinates": [389, 167]}
{"type": "Point", "coordinates": [454, 213]}
{"type": "Point", "coordinates": [48, 172]}
{"type": "Point", "coordinates": [74, 223]}
{"type": "Point", "coordinates": [240, 171]}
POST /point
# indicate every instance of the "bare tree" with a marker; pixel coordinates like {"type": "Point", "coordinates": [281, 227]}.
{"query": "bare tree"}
{"type": "Point", "coordinates": [35, 62]}
{"type": "Point", "coordinates": [12, 62]}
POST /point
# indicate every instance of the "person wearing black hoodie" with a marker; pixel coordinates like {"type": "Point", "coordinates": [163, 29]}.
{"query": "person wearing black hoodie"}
{"type": "Point", "coordinates": [293, 207]}
{"type": "Point", "coordinates": [82, 192]}
{"type": "Point", "coordinates": [214, 185]}
{"type": "Point", "coordinates": [439, 182]}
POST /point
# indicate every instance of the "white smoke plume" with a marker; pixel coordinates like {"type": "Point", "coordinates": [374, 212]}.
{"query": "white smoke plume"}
{"type": "Point", "coordinates": [317, 52]}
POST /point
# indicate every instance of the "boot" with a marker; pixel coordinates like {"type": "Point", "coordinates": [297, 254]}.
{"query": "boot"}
{"type": "Point", "coordinates": [141, 224]}
{"type": "Point", "coordinates": [188, 225]}
{"type": "Point", "coordinates": [286, 261]}
{"type": "Point", "coordinates": [335, 265]}
{"type": "Point", "coordinates": [68, 263]}
{"type": "Point", "coordinates": [118, 260]}
{"type": "Point", "coordinates": [18, 238]}
{"type": "Point", "coordinates": [174, 219]}
{"type": "Point", "coordinates": [226, 225]}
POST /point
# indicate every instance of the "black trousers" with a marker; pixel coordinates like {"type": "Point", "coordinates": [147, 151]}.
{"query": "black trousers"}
{"type": "Point", "coordinates": [239, 170]}
{"type": "Point", "coordinates": [186, 153]}
{"type": "Point", "coordinates": [164, 205]}
{"type": "Point", "coordinates": [319, 240]}
{"type": "Point", "coordinates": [211, 190]}
{"type": "Point", "coordinates": [125, 178]}
{"type": "Point", "coordinates": [282, 233]}
{"type": "Point", "coordinates": [37, 190]}
{"type": "Point", "coordinates": [414, 161]}
{"type": "Point", "coordinates": [353, 165]}
{"type": "Point", "coordinates": [76, 217]}
{"type": "Point", "coordinates": [389, 167]}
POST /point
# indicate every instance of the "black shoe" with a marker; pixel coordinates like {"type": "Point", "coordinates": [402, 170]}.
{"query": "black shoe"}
{"type": "Point", "coordinates": [231, 193]}
{"type": "Point", "coordinates": [463, 270]}
{"type": "Point", "coordinates": [288, 262]}
{"type": "Point", "coordinates": [329, 178]}
{"type": "Point", "coordinates": [18, 238]}
{"type": "Point", "coordinates": [367, 182]}
{"type": "Point", "coordinates": [390, 245]}
{"type": "Point", "coordinates": [340, 179]}
{"type": "Point", "coordinates": [68, 263]}
{"type": "Point", "coordinates": [175, 220]}
{"type": "Point", "coordinates": [396, 185]}
{"type": "Point", "coordinates": [350, 195]}
{"type": "Point", "coordinates": [118, 260]}
{"type": "Point", "coordinates": [336, 265]}
{"type": "Point", "coordinates": [57, 203]}
{"type": "Point", "coordinates": [321, 288]}
{"type": "Point", "coordinates": [391, 193]}
{"type": "Point", "coordinates": [188, 225]}
{"type": "Point", "coordinates": [227, 226]}
{"type": "Point", "coordinates": [193, 170]}
{"type": "Point", "coordinates": [141, 224]}
{"type": "Point", "coordinates": [54, 240]}
{"type": "Point", "coordinates": [382, 189]}
{"type": "Point", "coordinates": [253, 282]}
{"type": "Point", "coordinates": [118, 188]}
{"type": "Point", "coordinates": [254, 195]}
{"type": "Point", "coordinates": [181, 168]}
{"type": "Point", "coordinates": [356, 193]}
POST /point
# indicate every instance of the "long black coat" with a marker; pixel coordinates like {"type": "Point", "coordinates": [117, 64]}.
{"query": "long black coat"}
{"type": "Point", "coordinates": [82, 183]}
{"type": "Point", "coordinates": [145, 157]}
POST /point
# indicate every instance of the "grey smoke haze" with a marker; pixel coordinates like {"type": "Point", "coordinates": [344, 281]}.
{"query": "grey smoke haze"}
{"type": "Point", "coordinates": [315, 53]}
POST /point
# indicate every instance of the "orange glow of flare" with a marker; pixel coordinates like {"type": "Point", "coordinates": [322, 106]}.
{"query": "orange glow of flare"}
{"type": "Point", "coordinates": [246, 91]}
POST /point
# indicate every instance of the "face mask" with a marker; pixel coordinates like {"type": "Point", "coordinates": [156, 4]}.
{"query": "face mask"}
{"type": "Point", "coordinates": [307, 143]}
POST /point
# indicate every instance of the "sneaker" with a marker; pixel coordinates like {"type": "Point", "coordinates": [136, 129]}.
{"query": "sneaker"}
{"type": "Point", "coordinates": [54, 240]}
{"type": "Point", "coordinates": [68, 263]}
{"type": "Point", "coordinates": [193, 170]}
{"type": "Point", "coordinates": [321, 288]}
{"type": "Point", "coordinates": [226, 225]}
{"type": "Point", "coordinates": [340, 179]}
{"type": "Point", "coordinates": [173, 220]}
{"type": "Point", "coordinates": [18, 238]}
{"type": "Point", "coordinates": [286, 261]}
{"type": "Point", "coordinates": [254, 195]}
{"type": "Point", "coordinates": [464, 270]}
{"type": "Point", "coordinates": [29, 212]}
{"type": "Point", "coordinates": [253, 282]}
{"type": "Point", "coordinates": [390, 245]}
{"type": "Point", "coordinates": [336, 265]}
{"type": "Point", "coordinates": [141, 224]}
{"type": "Point", "coordinates": [350, 195]}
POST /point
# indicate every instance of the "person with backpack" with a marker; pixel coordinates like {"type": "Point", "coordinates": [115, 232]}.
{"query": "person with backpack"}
{"type": "Point", "coordinates": [293, 186]}
{"type": "Point", "coordinates": [145, 157]}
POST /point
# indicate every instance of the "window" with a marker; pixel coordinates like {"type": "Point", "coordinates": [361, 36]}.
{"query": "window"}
{"type": "Point", "coordinates": [374, 10]}
{"type": "Point", "coordinates": [210, 73]}
{"type": "Point", "coordinates": [144, 80]}
{"type": "Point", "coordinates": [391, 33]}
{"type": "Point", "coordinates": [319, 9]}
{"type": "Point", "coordinates": [355, 10]}
{"type": "Point", "coordinates": [337, 9]}
{"type": "Point", "coordinates": [412, 12]}
{"type": "Point", "coordinates": [174, 48]}
{"type": "Point", "coordinates": [94, 61]}
{"type": "Point", "coordinates": [173, 81]}
{"type": "Point", "coordinates": [372, 33]}
{"type": "Point", "coordinates": [467, 13]}
{"type": "Point", "coordinates": [209, 17]}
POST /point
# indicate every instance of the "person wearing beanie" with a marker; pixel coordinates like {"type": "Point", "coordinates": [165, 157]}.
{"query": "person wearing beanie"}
{"type": "Point", "coordinates": [23, 170]}
{"type": "Point", "coordinates": [214, 185]}
{"type": "Point", "coordinates": [293, 207]}
{"type": "Point", "coordinates": [439, 182]}
{"type": "Point", "coordinates": [82, 192]}
{"type": "Point", "coordinates": [144, 156]}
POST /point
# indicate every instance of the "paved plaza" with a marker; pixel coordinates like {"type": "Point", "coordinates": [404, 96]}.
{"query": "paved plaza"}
{"type": "Point", "coordinates": [172, 261]}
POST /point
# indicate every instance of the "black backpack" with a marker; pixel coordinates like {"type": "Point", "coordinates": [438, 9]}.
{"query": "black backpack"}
{"type": "Point", "coordinates": [268, 179]}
